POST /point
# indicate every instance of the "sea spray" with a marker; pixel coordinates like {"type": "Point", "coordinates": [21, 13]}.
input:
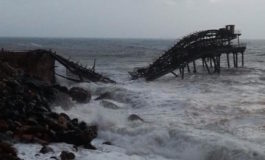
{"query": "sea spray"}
{"type": "Point", "coordinates": [203, 117]}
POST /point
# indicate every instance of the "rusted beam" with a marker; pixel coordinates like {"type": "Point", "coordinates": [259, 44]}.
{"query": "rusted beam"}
{"type": "Point", "coordinates": [236, 59]}
{"type": "Point", "coordinates": [174, 74]}
{"type": "Point", "coordinates": [194, 67]}
{"type": "Point", "coordinates": [206, 65]}
{"type": "Point", "coordinates": [81, 71]}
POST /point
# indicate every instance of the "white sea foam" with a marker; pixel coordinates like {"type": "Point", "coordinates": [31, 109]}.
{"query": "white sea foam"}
{"type": "Point", "coordinates": [203, 117]}
{"type": "Point", "coordinates": [36, 45]}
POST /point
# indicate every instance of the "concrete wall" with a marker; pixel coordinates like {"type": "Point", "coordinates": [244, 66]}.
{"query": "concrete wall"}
{"type": "Point", "coordinates": [37, 64]}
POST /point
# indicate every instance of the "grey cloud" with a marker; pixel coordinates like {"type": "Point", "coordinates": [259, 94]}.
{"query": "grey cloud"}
{"type": "Point", "coordinates": [128, 18]}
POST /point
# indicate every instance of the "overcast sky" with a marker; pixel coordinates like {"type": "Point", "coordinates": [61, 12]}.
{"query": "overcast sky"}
{"type": "Point", "coordinates": [128, 18]}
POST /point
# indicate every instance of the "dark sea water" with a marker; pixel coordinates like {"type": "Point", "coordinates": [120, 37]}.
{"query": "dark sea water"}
{"type": "Point", "coordinates": [203, 117]}
{"type": "Point", "coordinates": [110, 54]}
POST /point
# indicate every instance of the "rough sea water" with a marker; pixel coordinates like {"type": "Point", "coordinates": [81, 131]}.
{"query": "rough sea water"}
{"type": "Point", "coordinates": [203, 117]}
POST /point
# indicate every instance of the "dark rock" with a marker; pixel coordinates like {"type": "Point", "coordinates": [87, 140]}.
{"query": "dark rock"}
{"type": "Point", "coordinates": [26, 116]}
{"type": "Point", "coordinates": [92, 130]}
{"type": "Point", "coordinates": [77, 137]}
{"type": "Point", "coordinates": [67, 155]}
{"type": "Point", "coordinates": [53, 157]}
{"type": "Point", "coordinates": [255, 154]}
{"type": "Point", "coordinates": [9, 133]}
{"type": "Point", "coordinates": [106, 95]}
{"type": "Point", "coordinates": [7, 152]}
{"type": "Point", "coordinates": [90, 146]}
{"type": "Point", "coordinates": [80, 95]}
{"type": "Point", "coordinates": [82, 125]}
{"type": "Point", "coordinates": [107, 143]}
{"type": "Point", "coordinates": [74, 121]}
{"type": "Point", "coordinates": [32, 121]}
{"type": "Point", "coordinates": [75, 147]}
{"type": "Point", "coordinates": [134, 117]}
{"type": "Point", "coordinates": [67, 118]}
{"type": "Point", "coordinates": [26, 138]}
{"type": "Point", "coordinates": [63, 100]}
{"type": "Point", "coordinates": [62, 121]}
{"type": "Point", "coordinates": [46, 149]}
{"type": "Point", "coordinates": [109, 105]}
{"type": "Point", "coordinates": [3, 125]}
{"type": "Point", "coordinates": [61, 88]}
{"type": "Point", "coordinates": [53, 115]}
{"type": "Point", "coordinates": [12, 84]}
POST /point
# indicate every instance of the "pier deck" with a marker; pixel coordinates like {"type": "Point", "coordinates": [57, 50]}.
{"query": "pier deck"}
{"type": "Point", "coordinates": [207, 45]}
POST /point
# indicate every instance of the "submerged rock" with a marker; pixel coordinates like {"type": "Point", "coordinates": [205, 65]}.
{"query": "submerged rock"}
{"type": "Point", "coordinates": [63, 99]}
{"type": "Point", "coordinates": [53, 157]}
{"type": "Point", "coordinates": [46, 149]}
{"type": "Point", "coordinates": [109, 104]}
{"type": "Point", "coordinates": [107, 143]}
{"type": "Point", "coordinates": [134, 117]}
{"type": "Point", "coordinates": [106, 95]}
{"type": "Point", "coordinates": [80, 95]}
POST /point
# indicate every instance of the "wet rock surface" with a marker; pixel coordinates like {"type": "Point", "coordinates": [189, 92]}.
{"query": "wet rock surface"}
{"type": "Point", "coordinates": [134, 117]}
{"type": "Point", "coordinates": [80, 95]}
{"type": "Point", "coordinates": [46, 149]}
{"type": "Point", "coordinates": [25, 111]}
{"type": "Point", "coordinates": [105, 95]}
{"type": "Point", "coordinates": [67, 155]}
{"type": "Point", "coordinates": [7, 152]}
{"type": "Point", "coordinates": [109, 104]}
{"type": "Point", "coordinates": [107, 143]}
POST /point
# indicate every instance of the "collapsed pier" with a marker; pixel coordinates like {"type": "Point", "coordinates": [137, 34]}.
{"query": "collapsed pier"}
{"type": "Point", "coordinates": [207, 46]}
{"type": "Point", "coordinates": [40, 64]}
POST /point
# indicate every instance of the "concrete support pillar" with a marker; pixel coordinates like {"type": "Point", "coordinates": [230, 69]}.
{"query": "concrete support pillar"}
{"type": "Point", "coordinates": [228, 60]}
{"type": "Point", "coordinates": [194, 67]}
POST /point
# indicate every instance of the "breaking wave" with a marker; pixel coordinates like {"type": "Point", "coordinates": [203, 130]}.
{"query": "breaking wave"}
{"type": "Point", "coordinates": [203, 117]}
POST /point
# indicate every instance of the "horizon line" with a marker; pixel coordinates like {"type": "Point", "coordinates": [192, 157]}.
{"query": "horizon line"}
{"type": "Point", "coordinates": [128, 38]}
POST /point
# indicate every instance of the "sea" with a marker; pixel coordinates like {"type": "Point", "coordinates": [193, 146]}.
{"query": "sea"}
{"type": "Point", "coordinates": [201, 117]}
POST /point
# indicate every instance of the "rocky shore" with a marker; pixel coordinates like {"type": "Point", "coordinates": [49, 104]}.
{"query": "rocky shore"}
{"type": "Point", "coordinates": [26, 115]}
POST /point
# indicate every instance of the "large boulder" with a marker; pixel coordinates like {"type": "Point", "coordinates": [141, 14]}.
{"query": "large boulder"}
{"type": "Point", "coordinates": [80, 95]}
